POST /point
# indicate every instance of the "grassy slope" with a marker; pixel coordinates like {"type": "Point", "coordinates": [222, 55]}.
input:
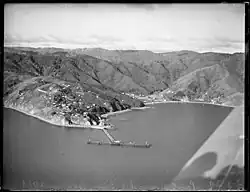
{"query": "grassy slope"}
{"type": "Point", "coordinates": [25, 73]}
{"type": "Point", "coordinates": [158, 71]}
{"type": "Point", "coordinates": [145, 71]}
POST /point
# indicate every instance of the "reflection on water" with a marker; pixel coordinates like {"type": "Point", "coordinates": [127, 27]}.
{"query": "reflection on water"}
{"type": "Point", "coordinates": [35, 151]}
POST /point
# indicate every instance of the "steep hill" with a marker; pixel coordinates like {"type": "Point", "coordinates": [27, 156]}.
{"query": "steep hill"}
{"type": "Point", "coordinates": [218, 75]}
{"type": "Point", "coordinates": [211, 70]}
{"type": "Point", "coordinates": [137, 71]}
{"type": "Point", "coordinates": [53, 83]}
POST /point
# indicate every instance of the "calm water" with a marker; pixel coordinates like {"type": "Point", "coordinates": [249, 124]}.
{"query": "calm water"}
{"type": "Point", "coordinates": [38, 153]}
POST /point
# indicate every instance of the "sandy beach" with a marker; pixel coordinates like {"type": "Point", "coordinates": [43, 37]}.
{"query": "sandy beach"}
{"type": "Point", "coordinates": [124, 111]}
{"type": "Point", "coordinates": [151, 103]}
{"type": "Point", "coordinates": [115, 113]}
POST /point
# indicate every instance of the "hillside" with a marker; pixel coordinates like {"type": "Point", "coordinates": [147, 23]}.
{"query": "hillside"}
{"type": "Point", "coordinates": [198, 75]}
{"type": "Point", "coordinates": [104, 75]}
{"type": "Point", "coordinates": [49, 85]}
{"type": "Point", "coordinates": [177, 64]}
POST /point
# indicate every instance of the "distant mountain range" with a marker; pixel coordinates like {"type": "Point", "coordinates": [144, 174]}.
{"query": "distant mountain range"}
{"type": "Point", "coordinates": [112, 72]}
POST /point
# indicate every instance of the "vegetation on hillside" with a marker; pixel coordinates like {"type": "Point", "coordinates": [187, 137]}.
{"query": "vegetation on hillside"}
{"type": "Point", "coordinates": [102, 77]}
{"type": "Point", "coordinates": [50, 85]}
{"type": "Point", "coordinates": [145, 72]}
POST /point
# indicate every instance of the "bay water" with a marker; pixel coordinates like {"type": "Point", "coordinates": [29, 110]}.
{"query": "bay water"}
{"type": "Point", "coordinates": [40, 155]}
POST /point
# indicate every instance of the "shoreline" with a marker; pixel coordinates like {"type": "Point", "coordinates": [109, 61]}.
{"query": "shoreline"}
{"type": "Point", "coordinates": [157, 102]}
{"type": "Point", "coordinates": [124, 111]}
{"type": "Point", "coordinates": [147, 106]}
{"type": "Point", "coordinates": [54, 123]}
{"type": "Point", "coordinates": [115, 113]}
{"type": "Point", "coordinates": [75, 126]}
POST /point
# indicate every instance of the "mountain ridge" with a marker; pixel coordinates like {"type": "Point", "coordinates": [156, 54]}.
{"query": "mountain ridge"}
{"type": "Point", "coordinates": [179, 65]}
{"type": "Point", "coordinates": [119, 50]}
{"type": "Point", "coordinates": [114, 73]}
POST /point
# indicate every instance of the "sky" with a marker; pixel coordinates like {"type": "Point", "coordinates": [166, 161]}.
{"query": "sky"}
{"type": "Point", "coordinates": [154, 27]}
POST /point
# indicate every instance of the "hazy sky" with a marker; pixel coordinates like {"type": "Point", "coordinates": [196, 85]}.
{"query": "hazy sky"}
{"type": "Point", "coordinates": [155, 27]}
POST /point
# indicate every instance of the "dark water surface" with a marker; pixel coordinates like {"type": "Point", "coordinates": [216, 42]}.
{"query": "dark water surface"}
{"type": "Point", "coordinates": [39, 153]}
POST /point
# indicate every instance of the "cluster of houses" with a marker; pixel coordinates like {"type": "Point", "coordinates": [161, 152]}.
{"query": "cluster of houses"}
{"type": "Point", "coordinates": [71, 107]}
{"type": "Point", "coordinates": [134, 95]}
{"type": "Point", "coordinates": [181, 96]}
{"type": "Point", "coordinates": [170, 95]}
